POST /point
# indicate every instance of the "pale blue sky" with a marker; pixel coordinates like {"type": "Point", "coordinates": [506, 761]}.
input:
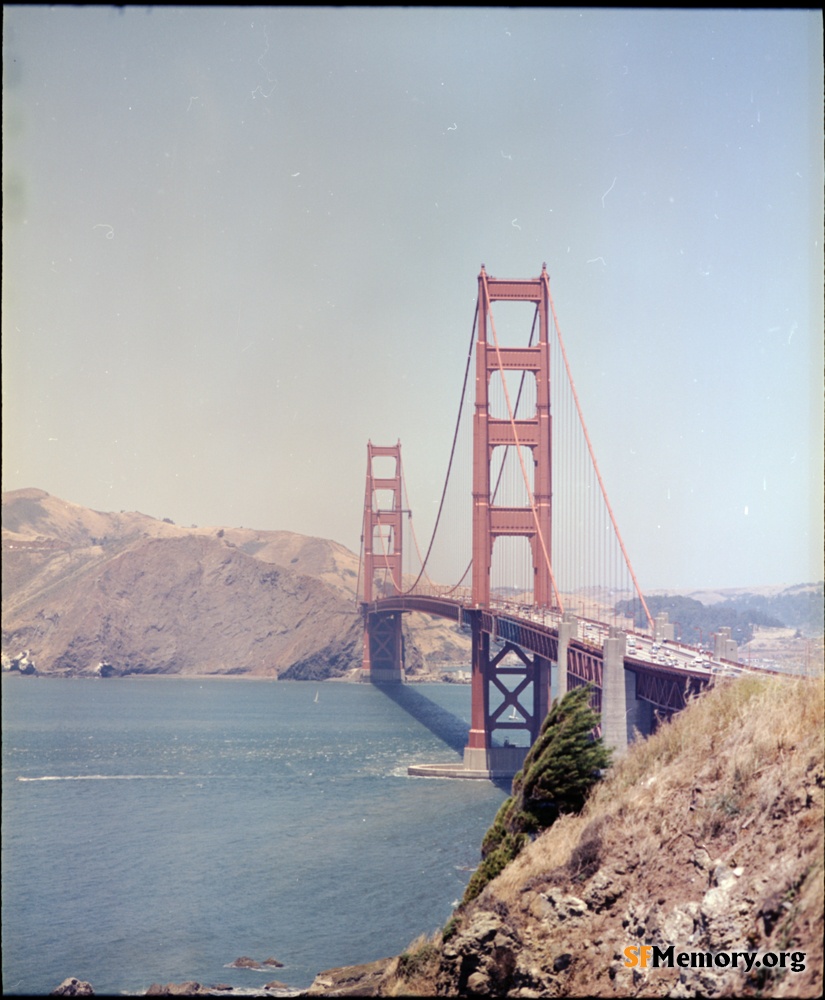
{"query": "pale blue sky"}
{"type": "Point", "coordinates": [238, 243]}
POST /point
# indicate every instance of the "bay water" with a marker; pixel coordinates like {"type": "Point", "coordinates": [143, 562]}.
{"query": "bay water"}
{"type": "Point", "coordinates": [156, 829]}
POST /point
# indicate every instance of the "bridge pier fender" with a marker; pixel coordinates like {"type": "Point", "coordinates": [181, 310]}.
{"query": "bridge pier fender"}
{"type": "Point", "coordinates": [614, 694]}
{"type": "Point", "coordinates": [493, 762]}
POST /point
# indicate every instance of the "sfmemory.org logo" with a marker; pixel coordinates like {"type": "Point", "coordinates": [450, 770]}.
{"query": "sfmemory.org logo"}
{"type": "Point", "coordinates": [647, 956]}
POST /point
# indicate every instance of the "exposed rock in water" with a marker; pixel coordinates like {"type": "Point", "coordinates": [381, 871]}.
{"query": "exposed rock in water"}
{"type": "Point", "coordinates": [73, 988]}
{"type": "Point", "coordinates": [244, 962]}
{"type": "Point", "coordinates": [21, 663]}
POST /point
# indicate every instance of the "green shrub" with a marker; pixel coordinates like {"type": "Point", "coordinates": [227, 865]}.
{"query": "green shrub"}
{"type": "Point", "coordinates": [559, 770]}
{"type": "Point", "coordinates": [495, 863]}
{"type": "Point", "coordinates": [494, 836]}
{"type": "Point", "coordinates": [413, 963]}
{"type": "Point", "coordinates": [565, 761]}
{"type": "Point", "coordinates": [450, 928]}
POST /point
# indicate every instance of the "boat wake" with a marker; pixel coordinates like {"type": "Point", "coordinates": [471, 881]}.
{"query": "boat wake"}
{"type": "Point", "coordinates": [103, 777]}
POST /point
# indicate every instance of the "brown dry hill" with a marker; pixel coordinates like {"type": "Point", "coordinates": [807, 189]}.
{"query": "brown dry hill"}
{"type": "Point", "coordinates": [81, 587]}
{"type": "Point", "coordinates": [708, 836]}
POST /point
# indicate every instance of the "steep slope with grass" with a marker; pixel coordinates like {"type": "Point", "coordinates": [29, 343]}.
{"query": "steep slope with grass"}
{"type": "Point", "coordinates": [143, 595]}
{"type": "Point", "coordinates": [708, 837]}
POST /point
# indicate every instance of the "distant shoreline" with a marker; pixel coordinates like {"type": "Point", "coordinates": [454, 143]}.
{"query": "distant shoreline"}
{"type": "Point", "coordinates": [346, 679]}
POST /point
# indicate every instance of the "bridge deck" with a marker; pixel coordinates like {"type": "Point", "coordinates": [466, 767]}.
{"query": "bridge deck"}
{"type": "Point", "coordinates": [536, 630]}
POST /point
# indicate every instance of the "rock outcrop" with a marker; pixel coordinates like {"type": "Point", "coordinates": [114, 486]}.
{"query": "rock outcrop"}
{"type": "Point", "coordinates": [368, 980]}
{"type": "Point", "coordinates": [245, 962]}
{"type": "Point", "coordinates": [72, 987]}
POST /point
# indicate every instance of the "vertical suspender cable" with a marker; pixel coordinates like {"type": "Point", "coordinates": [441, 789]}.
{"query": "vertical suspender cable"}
{"type": "Point", "coordinates": [593, 459]}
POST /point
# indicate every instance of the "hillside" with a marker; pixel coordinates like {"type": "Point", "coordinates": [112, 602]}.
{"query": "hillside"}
{"type": "Point", "coordinates": [708, 836]}
{"type": "Point", "coordinates": [744, 612]}
{"type": "Point", "coordinates": [81, 587]}
{"type": "Point", "coordinates": [775, 627]}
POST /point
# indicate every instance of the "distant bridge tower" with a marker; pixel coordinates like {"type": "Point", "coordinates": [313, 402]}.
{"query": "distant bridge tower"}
{"type": "Point", "coordinates": [491, 521]}
{"type": "Point", "coordinates": [383, 513]}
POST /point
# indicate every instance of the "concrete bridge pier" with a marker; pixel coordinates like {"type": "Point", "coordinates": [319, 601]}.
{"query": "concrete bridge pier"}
{"type": "Point", "coordinates": [614, 693]}
{"type": "Point", "coordinates": [724, 648]}
{"type": "Point", "coordinates": [639, 713]}
{"type": "Point", "coordinates": [567, 629]}
{"type": "Point", "coordinates": [623, 714]}
{"type": "Point", "coordinates": [541, 691]}
{"type": "Point", "coordinates": [663, 628]}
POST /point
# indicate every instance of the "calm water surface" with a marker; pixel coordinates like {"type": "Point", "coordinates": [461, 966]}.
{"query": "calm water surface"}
{"type": "Point", "coordinates": [156, 829]}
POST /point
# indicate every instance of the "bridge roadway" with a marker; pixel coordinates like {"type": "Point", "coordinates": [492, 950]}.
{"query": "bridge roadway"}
{"type": "Point", "coordinates": [666, 672]}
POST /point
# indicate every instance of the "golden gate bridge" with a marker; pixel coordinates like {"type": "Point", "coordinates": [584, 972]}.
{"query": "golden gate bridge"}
{"type": "Point", "coordinates": [542, 572]}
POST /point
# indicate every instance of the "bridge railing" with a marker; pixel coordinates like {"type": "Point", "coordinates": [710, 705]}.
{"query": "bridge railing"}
{"type": "Point", "coordinates": [461, 595]}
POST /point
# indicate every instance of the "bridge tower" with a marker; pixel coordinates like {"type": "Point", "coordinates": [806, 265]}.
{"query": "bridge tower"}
{"type": "Point", "coordinates": [382, 540]}
{"type": "Point", "coordinates": [491, 521]}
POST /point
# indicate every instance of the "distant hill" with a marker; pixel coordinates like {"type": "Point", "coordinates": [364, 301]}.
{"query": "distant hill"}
{"type": "Point", "coordinates": [799, 607]}
{"type": "Point", "coordinates": [83, 587]}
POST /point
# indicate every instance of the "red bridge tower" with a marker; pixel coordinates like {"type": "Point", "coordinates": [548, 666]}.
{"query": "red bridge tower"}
{"type": "Point", "coordinates": [382, 540]}
{"type": "Point", "coordinates": [491, 521]}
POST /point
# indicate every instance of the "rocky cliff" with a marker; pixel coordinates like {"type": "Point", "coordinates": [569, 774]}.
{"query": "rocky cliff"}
{"type": "Point", "coordinates": [120, 593]}
{"type": "Point", "coordinates": [707, 839]}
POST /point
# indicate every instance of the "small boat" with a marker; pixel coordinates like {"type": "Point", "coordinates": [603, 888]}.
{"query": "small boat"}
{"type": "Point", "coordinates": [315, 699]}
{"type": "Point", "coordinates": [513, 717]}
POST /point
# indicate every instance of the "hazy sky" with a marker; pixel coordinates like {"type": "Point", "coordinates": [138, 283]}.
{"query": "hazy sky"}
{"type": "Point", "coordinates": [239, 243]}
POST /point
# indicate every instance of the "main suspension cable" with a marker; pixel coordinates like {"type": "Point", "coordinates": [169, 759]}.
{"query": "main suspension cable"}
{"type": "Point", "coordinates": [452, 455]}
{"type": "Point", "coordinates": [408, 508]}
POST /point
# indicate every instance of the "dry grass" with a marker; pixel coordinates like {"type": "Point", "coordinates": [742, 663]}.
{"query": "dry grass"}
{"type": "Point", "coordinates": [417, 967]}
{"type": "Point", "coordinates": [749, 741]}
{"type": "Point", "coordinates": [723, 763]}
{"type": "Point", "coordinates": [532, 866]}
{"type": "Point", "coordinates": [733, 738]}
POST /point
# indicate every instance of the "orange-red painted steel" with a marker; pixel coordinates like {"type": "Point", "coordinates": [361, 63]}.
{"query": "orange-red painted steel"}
{"type": "Point", "coordinates": [490, 521]}
{"type": "Point", "coordinates": [511, 656]}
{"type": "Point", "coordinates": [383, 551]}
